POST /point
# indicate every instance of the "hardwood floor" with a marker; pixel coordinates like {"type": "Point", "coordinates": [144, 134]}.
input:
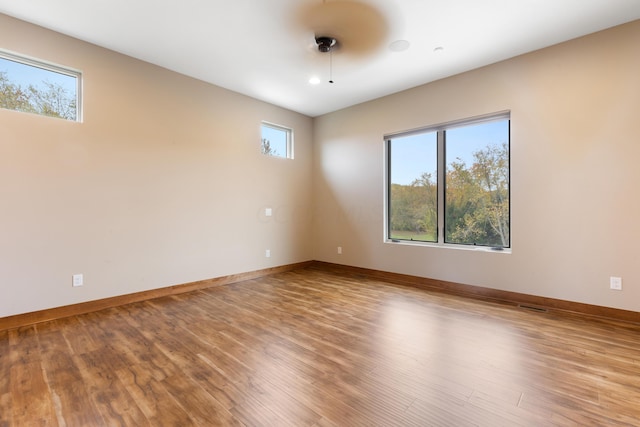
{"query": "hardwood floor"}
{"type": "Point", "coordinates": [314, 348]}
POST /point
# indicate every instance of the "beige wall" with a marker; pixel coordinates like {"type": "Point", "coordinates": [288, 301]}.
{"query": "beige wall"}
{"type": "Point", "coordinates": [575, 147]}
{"type": "Point", "coordinates": [162, 184]}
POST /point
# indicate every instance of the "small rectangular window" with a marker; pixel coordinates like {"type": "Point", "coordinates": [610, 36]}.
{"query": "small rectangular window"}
{"type": "Point", "coordinates": [449, 184]}
{"type": "Point", "coordinates": [32, 86]}
{"type": "Point", "coordinates": [277, 141]}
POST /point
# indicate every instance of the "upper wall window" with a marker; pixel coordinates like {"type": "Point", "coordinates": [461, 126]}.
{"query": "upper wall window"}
{"type": "Point", "coordinates": [32, 86]}
{"type": "Point", "coordinates": [449, 184]}
{"type": "Point", "coordinates": [277, 141]}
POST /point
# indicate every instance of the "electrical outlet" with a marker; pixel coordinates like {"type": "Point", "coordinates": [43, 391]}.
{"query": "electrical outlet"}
{"type": "Point", "coordinates": [78, 280]}
{"type": "Point", "coordinates": [339, 250]}
{"type": "Point", "coordinates": [615, 283]}
{"type": "Point", "coordinates": [267, 253]}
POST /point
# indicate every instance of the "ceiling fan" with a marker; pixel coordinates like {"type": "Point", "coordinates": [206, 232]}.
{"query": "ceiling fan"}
{"type": "Point", "coordinates": [352, 28]}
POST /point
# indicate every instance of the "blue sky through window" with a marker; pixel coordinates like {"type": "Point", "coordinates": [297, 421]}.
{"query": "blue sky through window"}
{"type": "Point", "coordinates": [416, 154]}
{"type": "Point", "coordinates": [277, 138]}
{"type": "Point", "coordinates": [24, 75]}
{"type": "Point", "coordinates": [412, 156]}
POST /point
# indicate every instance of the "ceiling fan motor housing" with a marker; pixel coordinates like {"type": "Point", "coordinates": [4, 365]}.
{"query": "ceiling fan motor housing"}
{"type": "Point", "coordinates": [325, 43]}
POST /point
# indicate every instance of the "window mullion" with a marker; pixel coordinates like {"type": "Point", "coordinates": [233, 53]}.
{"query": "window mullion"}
{"type": "Point", "coordinates": [441, 184]}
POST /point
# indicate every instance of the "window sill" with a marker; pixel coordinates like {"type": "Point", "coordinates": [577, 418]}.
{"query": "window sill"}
{"type": "Point", "coordinates": [450, 246]}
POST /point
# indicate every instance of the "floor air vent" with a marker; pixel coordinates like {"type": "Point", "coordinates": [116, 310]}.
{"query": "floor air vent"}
{"type": "Point", "coordinates": [532, 308]}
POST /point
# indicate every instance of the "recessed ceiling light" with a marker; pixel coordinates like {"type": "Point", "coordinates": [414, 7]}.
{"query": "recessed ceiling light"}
{"type": "Point", "coordinates": [399, 45]}
{"type": "Point", "coordinates": [314, 80]}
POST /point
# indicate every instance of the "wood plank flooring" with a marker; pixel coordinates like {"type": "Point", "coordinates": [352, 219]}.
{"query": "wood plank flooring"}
{"type": "Point", "coordinates": [315, 348]}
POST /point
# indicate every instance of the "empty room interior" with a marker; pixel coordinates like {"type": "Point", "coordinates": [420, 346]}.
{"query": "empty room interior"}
{"type": "Point", "coordinates": [320, 213]}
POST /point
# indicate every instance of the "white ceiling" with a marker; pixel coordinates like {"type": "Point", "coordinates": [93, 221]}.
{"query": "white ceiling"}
{"type": "Point", "coordinates": [262, 48]}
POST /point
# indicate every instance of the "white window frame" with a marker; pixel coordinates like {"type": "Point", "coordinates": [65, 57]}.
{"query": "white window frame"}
{"type": "Point", "coordinates": [289, 142]}
{"type": "Point", "coordinates": [441, 162]}
{"type": "Point", "coordinates": [55, 68]}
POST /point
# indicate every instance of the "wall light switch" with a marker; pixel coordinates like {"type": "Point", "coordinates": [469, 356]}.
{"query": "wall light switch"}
{"type": "Point", "coordinates": [78, 280]}
{"type": "Point", "coordinates": [268, 212]}
{"type": "Point", "coordinates": [615, 283]}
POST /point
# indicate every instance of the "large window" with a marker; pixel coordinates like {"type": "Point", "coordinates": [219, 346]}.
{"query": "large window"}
{"type": "Point", "coordinates": [449, 184]}
{"type": "Point", "coordinates": [277, 141]}
{"type": "Point", "coordinates": [32, 86]}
